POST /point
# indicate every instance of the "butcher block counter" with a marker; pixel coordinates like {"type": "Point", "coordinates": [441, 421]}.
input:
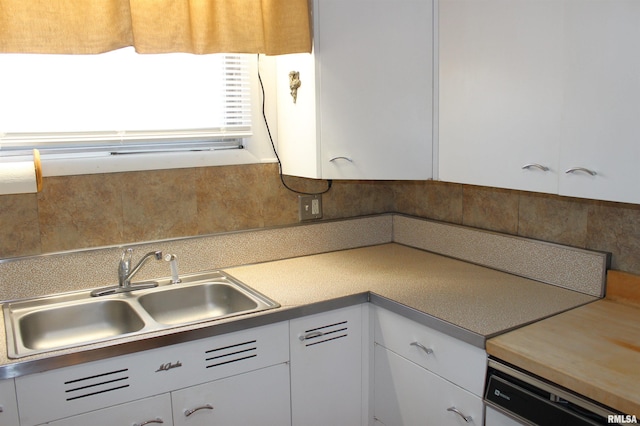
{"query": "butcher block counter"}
{"type": "Point", "coordinates": [593, 350]}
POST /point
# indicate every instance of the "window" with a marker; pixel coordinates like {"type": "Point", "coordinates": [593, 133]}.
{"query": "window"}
{"type": "Point", "coordinates": [97, 107]}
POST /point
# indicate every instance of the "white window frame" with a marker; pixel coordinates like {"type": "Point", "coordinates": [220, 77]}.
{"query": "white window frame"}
{"type": "Point", "coordinates": [257, 148]}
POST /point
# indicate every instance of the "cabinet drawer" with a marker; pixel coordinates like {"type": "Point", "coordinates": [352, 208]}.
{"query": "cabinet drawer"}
{"type": "Point", "coordinates": [456, 361]}
{"type": "Point", "coordinates": [156, 410]}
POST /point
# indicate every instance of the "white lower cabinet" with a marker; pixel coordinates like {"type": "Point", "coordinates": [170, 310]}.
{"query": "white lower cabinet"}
{"type": "Point", "coordinates": [87, 389]}
{"type": "Point", "coordinates": [256, 398]}
{"type": "Point", "coordinates": [149, 411]}
{"type": "Point", "coordinates": [407, 394]}
{"type": "Point", "coordinates": [327, 368]}
{"type": "Point", "coordinates": [8, 403]}
{"type": "Point", "coordinates": [320, 369]}
{"type": "Point", "coordinates": [424, 377]}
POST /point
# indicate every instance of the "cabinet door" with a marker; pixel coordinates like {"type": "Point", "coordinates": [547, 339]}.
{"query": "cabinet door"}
{"type": "Point", "coordinates": [407, 394]}
{"type": "Point", "coordinates": [364, 109]}
{"type": "Point", "coordinates": [500, 93]}
{"type": "Point", "coordinates": [149, 411]}
{"type": "Point", "coordinates": [375, 62]}
{"type": "Point", "coordinates": [602, 98]}
{"type": "Point", "coordinates": [326, 368]}
{"type": "Point", "coordinates": [298, 140]}
{"type": "Point", "coordinates": [8, 403]}
{"type": "Point", "coordinates": [260, 397]}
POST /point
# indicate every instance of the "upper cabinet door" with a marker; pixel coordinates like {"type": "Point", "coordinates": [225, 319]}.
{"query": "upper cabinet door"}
{"type": "Point", "coordinates": [500, 100]}
{"type": "Point", "coordinates": [541, 96]}
{"type": "Point", "coordinates": [364, 109]}
{"type": "Point", "coordinates": [375, 60]}
{"type": "Point", "coordinates": [601, 131]}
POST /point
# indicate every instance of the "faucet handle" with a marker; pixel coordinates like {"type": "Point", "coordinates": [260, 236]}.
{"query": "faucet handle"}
{"type": "Point", "coordinates": [126, 255]}
{"type": "Point", "coordinates": [125, 262]}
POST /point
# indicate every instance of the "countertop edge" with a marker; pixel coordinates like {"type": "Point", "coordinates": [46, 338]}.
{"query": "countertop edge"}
{"type": "Point", "coordinates": [430, 321]}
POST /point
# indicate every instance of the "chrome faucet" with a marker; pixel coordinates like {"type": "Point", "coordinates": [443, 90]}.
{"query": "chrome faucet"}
{"type": "Point", "coordinates": [126, 273]}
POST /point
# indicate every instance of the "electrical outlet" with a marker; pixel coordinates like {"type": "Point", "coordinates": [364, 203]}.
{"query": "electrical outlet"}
{"type": "Point", "coordinates": [310, 207]}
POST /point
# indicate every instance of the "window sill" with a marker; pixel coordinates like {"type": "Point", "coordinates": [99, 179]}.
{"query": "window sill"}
{"type": "Point", "coordinates": [83, 165]}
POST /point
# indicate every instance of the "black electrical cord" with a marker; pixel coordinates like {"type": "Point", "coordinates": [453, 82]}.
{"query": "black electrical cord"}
{"type": "Point", "coordinates": [266, 123]}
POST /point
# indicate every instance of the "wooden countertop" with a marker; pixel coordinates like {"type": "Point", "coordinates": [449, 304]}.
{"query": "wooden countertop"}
{"type": "Point", "coordinates": [593, 350]}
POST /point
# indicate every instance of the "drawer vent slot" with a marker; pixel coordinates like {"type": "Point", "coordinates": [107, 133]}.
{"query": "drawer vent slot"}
{"type": "Point", "coordinates": [326, 333]}
{"type": "Point", "coordinates": [230, 354]}
{"type": "Point", "coordinates": [96, 384]}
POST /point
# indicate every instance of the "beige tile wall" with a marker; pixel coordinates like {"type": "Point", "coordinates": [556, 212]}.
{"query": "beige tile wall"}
{"type": "Point", "coordinates": [100, 210]}
{"type": "Point", "coordinates": [74, 212]}
{"type": "Point", "coordinates": [589, 224]}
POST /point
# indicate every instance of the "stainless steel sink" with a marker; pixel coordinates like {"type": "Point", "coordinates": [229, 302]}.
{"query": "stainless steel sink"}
{"type": "Point", "coordinates": [197, 302]}
{"type": "Point", "coordinates": [68, 325]}
{"type": "Point", "coordinates": [73, 319]}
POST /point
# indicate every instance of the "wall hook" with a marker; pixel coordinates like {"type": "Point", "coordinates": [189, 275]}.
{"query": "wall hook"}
{"type": "Point", "coordinates": [294, 84]}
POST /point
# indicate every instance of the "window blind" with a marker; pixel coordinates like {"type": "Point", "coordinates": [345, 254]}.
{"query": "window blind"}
{"type": "Point", "coordinates": [121, 102]}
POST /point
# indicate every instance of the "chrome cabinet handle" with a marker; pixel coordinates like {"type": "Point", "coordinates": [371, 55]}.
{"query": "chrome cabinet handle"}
{"type": "Point", "coordinates": [427, 350]}
{"type": "Point", "coordinates": [156, 420]}
{"type": "Point", "coordinates": [187, 413]}
{"type": "Point", "coordinates": [580, 169]}
{"type": "Point", "coordinates": [310, 335]}
{"type": "Point", "coordinates": [458, 412]}
{"type": "Point", "coordinates": [341, 158]}
{"type": "Point", "coordinates": [535, 166]}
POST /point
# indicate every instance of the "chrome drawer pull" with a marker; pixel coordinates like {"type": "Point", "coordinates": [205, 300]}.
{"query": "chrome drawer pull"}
{"type": "Point", "coordinates": [536, 166]}
{"type": "Point", "coordinates": [341, 158]}
{"type": "Point", "coordinates": [158, 420]}
{"type": "Point", "coordinates": [187, 413]}
{"type": "Point", "coordinates": [458, 412]}
{"type": "Point", "coordinates": [310, 335]}
{"type": "Point", "coordinates": [581, 169]}
{"type": "Point", "coordinates": [427, 350]}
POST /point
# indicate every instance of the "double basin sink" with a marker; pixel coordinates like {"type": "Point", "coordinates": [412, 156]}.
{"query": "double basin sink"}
{"type": "Point", "coordinates": [72, 319]}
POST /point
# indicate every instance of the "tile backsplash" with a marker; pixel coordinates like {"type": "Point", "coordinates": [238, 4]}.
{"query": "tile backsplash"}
{"type": "Point", "coordinates": [75, 212]}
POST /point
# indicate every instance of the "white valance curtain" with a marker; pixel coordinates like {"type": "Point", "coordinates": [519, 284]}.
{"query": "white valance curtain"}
{"type": "Point", "coordinates": [271, 27]}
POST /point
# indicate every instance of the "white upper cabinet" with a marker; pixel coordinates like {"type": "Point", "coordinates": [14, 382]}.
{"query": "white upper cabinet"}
{"type": "Point", "coordinates": [364, 109]}
{"type": "Point", "coordinates": [601, 130]}
{"type": "Point", "coordinates": [500, 102]}
{"type": "Point", "coordinates": [531, 89]}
